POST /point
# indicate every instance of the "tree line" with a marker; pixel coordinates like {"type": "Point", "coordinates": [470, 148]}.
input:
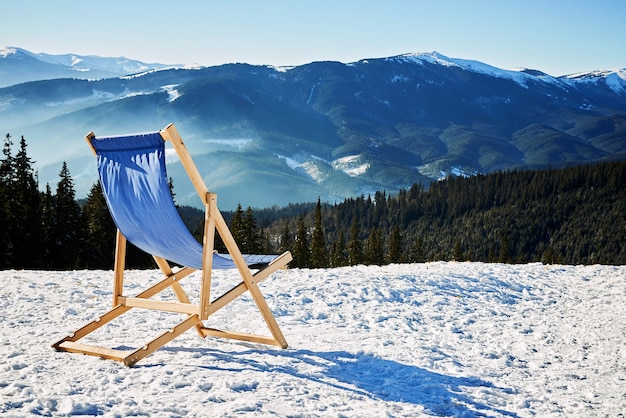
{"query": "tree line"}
{"type": "Point", "coordinates": [574, 215]}
{"type": "Point", "coordinates": [52, 230]}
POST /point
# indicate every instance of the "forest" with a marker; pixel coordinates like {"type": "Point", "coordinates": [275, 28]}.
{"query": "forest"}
{"type": "Point", "coordinates": [572, 215]}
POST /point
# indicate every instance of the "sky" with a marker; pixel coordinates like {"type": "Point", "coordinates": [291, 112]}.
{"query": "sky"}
{"type": "Point", "coordinates": [558, 37]}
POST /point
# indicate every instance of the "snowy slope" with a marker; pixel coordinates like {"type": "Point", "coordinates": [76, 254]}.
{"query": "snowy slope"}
{"type": "Point", "coordinates": [615, 79]}
{"type": "Point", "coordinates": [519, 76]}
{"type": "Point", "coordinates": [18, 65]}
{"type": "Point", "coordinates": [435, 339]}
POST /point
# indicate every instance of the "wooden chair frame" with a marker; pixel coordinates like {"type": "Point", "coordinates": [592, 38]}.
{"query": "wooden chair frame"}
{"type": "Point", "coordinates": [195, 313]}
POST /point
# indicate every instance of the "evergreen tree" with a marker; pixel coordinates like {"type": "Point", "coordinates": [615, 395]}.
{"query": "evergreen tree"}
{"type": "Point", "coordinates": [338, 254]}
{"type": "Point", "coordinates": [100, 230]}
{"type": "Point", "coordinates": [265, 243]}
{"type": "Point", "coordinates": [394, 250]}
{"type": "Point", "coordinates": [24, 214]}
{"type": "Point", "coordinates": [374, 248]}
{"type": "Point", "coordinates": [67, 228]}
{"type": "Point", "coordinates": [47, 228]}
{"type": "Point", "coordinates": [170, 184]}
{"type": "Point", "coordinates": [6, 164]}
{"type": "Point", "coordinates": [457, 253]}
{"type": "Point", "coordinates": [6, 185]}
{"type": "Point", "coordinates": [355, 245]}
{"type": "Point", "coordinates": [237, 228]}
{"type": "Point", "coordinates": [286, 241]}
{"type": "Point", "coordinates": [301, 245]}
{"type": "Point", "coordinates": [504, 249]}
{"type": "Point", "coordinates": [319, 251]}
{"type": "Point", "coordinates": [251, 236]}
{"type": "Point", "coordinates": [417, 253]}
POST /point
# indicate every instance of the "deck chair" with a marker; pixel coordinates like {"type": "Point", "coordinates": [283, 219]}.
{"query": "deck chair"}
{"type": "Point", "coordinates": [135, 185]}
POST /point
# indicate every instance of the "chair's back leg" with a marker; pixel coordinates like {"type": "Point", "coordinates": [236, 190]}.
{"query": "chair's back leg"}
{"type": "Point", "coordinates": [207, 254]}
{"type": "Point", "coordinates": [120, 264]}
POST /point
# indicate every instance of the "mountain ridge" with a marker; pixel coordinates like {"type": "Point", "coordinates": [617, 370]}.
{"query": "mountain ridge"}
{"type": "Point", "coordinates": [69, 65]}
{"type": "Point", "coordinates": [329, 129]}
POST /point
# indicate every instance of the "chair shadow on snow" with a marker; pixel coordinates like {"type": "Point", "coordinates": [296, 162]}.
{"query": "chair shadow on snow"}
{"type": "Point", "coordinates": [366, 375]}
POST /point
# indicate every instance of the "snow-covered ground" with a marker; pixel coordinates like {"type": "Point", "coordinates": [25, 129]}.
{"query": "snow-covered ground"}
{"type": "Point", "coordinates": [434, 339]}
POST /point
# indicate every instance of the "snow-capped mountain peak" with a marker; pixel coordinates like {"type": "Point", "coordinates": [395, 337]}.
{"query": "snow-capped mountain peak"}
{"type": "Point", "coordinates": [614, 78]}
{"type": "Point", "coordinates": [520, 76]}
{"type": "Point", "coordinates": [19, 64]}
{"type": "Point", "coordinates": [5, 51]}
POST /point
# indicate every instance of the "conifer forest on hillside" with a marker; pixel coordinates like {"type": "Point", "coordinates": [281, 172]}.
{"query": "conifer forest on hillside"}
{"type": "Point", "coordinates": [573, 215]}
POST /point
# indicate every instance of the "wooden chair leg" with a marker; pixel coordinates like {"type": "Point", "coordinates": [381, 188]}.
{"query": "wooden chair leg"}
{"type": "Point", "coordinates": [70, 343]}
{"type": "Point", "coordinates": [229, 296]}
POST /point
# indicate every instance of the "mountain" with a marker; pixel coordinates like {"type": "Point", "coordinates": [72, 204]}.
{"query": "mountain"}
{"type": "Point", "coordinates": [264, 135]}
{"type": "Point", "coordinates": [18, 65]}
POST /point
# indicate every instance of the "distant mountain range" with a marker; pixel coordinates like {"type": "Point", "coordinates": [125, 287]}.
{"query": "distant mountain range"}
{"type": "Point", "coordinates": [18, 65]}
{"type": "Point", "coordinates": [267, 136]}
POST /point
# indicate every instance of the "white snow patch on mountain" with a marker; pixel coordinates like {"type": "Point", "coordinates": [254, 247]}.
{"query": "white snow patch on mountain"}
{"type": "Point", "coordinates": [314, 171]}
{"type": "Point", "coordinates": [615, 79]}
{"type": "Point", "coordinates": [291, 163]}
{"type": "Point", "coordinates": [351, 165]}
{"type": "Point", "coordinates": [5, 51]}
{"type": "Point", "coordinates": [172, 92]}
{"type": "Point", "coordinates": [307, 164]}
{"type": "Point", "coordinates": [517, 76]}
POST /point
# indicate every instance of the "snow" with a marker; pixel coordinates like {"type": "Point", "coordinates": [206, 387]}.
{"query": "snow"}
{"type": "Point", "coordinates": [615, 79]}
{"type": "Point", "coordinates": [470, 65]}
{"type": "Point", "coordinates": [307, 164]}
{"type": "Point", "coordinates": [172, 92]}
{"type": "Point", "coordinates": [282, 69]}
{"type": "Point", "coordinates": [434, 339]}
{"type": "Point", "coordinates": [351, 165]}
{"type": "Point", "coordinates": [5, 51]}
{"type": "Point", "coordinates": [517, 75]}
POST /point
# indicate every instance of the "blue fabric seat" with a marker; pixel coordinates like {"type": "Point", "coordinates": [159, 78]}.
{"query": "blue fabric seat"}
{"type": "Point", "coordinates": [135, 185]}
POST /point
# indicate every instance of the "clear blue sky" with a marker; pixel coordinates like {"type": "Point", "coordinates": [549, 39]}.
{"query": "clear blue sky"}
{"type": "Point", "coordinates": [555, 36]}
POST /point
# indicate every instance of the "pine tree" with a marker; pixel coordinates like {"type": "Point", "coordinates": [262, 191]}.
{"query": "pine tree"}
{"type": "Point", "coordinates": [265, 244]}
{"type": "Point", "coordinates": [68, 229]}
{"type": "Point", "coordinates": [301, 245]}
{"type": "Point", "coordinates": [395, 245]}
{"type": "Point", "coordinates": [251, 236]}
{"type": "Point", "coordinates": [6, 185]}
{"type": "Point", "coordinates": [25, 212]}
{"type": "Point", "coordinates": [170, 184]}
{"type": "Point", "coordinates": [374, 248]}
{"type": "Point", "coordinates": [319, 251]}
{"type": "Point", "coordinates": [504, 256]}
{"type": "Point", "coordinates": [6, 164]}
{"type": "Point", "coordinates": [457, 253]}
{"type": "Point", "coordinates": [47, 228]}
{"type": "Point", "coordinates": [338, 254]}
{"type": "Point", "coordinates": [100, 239]}
{"type": "Point", "coordinates": [237, 227]}
{"type": "Point", "coordinates": [286, 241]}
{"type": "Point", "coordinates": [355, 245]}
{"type": "Point", "coordinates": [417, 253]}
